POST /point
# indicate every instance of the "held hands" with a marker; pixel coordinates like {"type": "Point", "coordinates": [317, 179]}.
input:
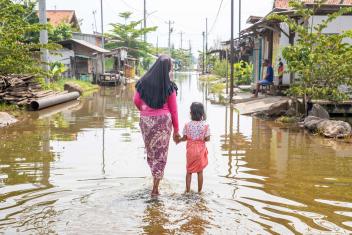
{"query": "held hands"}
{"type": "Point", "coordinates": [177, 138]}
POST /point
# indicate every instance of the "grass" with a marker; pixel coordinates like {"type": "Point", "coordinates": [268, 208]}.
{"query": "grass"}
{"type": "Point", "coordinates": [59, 85]}
{"type": "Point", "coordinates": [12, 109]}
{"type": "Point", "coordinates": [8, 107]}
{"type": "Point", "coordinates": [287, 120]}
{"type": "Point", "coordinates": [217, 88]}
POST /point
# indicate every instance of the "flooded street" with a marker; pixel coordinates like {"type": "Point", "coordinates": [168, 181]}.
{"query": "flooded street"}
{"type": "Point", "coordinates": [81, 169]}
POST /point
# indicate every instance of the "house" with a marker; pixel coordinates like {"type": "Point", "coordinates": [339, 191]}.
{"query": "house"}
{"type": "Point", "coordinates": [57, 17]}
{"type": "Point", "coordinates": [95, 39]}
{"type": "Point", "coordinates": [122, 62]}
{"type": "Point", "coordinates": [83, 59]}
{"type": "Point", "coordinates": [266, 38]}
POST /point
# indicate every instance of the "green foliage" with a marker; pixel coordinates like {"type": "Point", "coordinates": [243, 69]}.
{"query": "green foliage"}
{"type": "Point", "coordinates": [217, 88]}
{"type": "Point", "coordinates": [58, 85]}
{"type": "Point", "coordinates": [8, 107]}
{"type": "Point", "coordinates": [128, 34]}
{"type": "Point", "coordinates": [60, 33]}
{"type": "Point", "coordinates": [109, 64]}
{"type": "Point", "coordinates": [209, 78]}
{"type": "Point", "coordinates": [221, 68]}
{"type": "Point", "coordinates": [243, 73]}
{"type": "Point", "coordinates": [55, 34]}
{"type": "Point", "coordinates": [183, 58]}
{"type": "Point", "coordinates": [287, 120]}
{"type": "Point", "coordinates": [56, 70]}
{"type": "Point", "coordinates": [17, 54]}
{"type": "Point", "coordinates": [321, 62]}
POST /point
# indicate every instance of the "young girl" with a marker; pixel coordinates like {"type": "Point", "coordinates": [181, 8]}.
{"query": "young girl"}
{"type": "Point", "coordinates": [196, 133]}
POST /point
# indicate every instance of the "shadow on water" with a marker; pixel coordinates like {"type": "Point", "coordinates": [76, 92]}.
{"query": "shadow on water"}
{"type": "Point", "coordinates": [80, 168]}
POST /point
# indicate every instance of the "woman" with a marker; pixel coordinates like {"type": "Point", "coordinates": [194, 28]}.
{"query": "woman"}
{"type": "Point", "coordinates": [155, 97]}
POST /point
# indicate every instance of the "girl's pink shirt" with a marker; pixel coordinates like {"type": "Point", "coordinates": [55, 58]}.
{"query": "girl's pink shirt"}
{"type": "Point", "coordinates": [169, 107]}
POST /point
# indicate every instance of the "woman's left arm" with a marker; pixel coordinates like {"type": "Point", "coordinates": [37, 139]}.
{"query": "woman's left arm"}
{"type": "Point", "coordinates": [172, 104]}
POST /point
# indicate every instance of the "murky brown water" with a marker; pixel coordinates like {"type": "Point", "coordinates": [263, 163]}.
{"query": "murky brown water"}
{"type": "Point", "coordinates": [81, 169]}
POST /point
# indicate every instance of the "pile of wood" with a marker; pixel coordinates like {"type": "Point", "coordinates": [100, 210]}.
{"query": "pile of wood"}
{"type": "Point", "coordinates": [21, 90]}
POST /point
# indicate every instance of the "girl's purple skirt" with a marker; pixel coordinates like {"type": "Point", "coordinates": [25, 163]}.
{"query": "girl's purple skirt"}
{"type": "Point", "coordinates": [156, 131]}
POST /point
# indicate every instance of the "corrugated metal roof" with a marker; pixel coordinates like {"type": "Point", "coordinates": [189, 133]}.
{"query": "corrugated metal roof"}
{"type": "Point", "coordinates": [86, 44]}
{"type": "Point", "coordinates": [91, 46]}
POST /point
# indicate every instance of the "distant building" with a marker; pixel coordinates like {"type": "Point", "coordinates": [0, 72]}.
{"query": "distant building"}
{"type": "Point", "coordinates": [56, 17]}
{"type": "Point", "coordinates": [83, 59]}
{"type": "Point", "coordinates": [265, 38]}
{"type": "Point", "coordinates": [95, 39]}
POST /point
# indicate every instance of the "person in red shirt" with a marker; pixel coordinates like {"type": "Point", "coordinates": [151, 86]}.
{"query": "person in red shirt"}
{"type": "Point", "coordinates": [280, 72]}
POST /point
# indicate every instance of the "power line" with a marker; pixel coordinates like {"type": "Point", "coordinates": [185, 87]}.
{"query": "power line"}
{"type": "Point", "coordinates": [217, 16]}
{"type": "Point", "coordinates": [131, 7]}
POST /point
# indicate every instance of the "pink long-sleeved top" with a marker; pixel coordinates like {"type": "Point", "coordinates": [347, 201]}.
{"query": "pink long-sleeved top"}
{"type": "Point", "coordinates": [169, 107]}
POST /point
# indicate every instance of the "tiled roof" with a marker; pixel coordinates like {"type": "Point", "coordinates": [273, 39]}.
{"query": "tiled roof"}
{"type": "Point", "coordinates": [55, 17]}
{"type": "Point", "coordinates": [284, 4]}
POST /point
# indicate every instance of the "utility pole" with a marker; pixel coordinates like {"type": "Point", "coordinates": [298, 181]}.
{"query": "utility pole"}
{"type": "Point", "coordinates": [181, 34]}
{"type": "Point", "coordinates": [190, 54]}
{"type": "Point", "coordinates": [203, 72]}
{"type": "Point", "coordinates": [227, 71]}
{"type": "Point", "coordinates": [239, 18]}
{"type": "Point", "coordinates": [157, 45]}
{"type": "Point", "coordinates": [44, 35]}
{"type": "Point", "coordinates": [170, 31]}
{"type": "Point", "coordinates": [206, 45]}
{"type": "Point", "coordinates": [231, 53]}
{"type": "Point", "coordinates": [102, 23]}
{"type": "Point", "coordinates": [102, 36]}
{"type": "Point", "coordinates": [95, 21]}
{"type": "Point", "coordinates": [145, 19]}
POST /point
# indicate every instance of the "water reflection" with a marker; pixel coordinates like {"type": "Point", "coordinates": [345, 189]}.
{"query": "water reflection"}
{"type": "Point", "coordinates": [288, 164]}
{"type": "Point", "coordinates": [156, 218]}
{"type": "Point", "coordinates": [86, 160]}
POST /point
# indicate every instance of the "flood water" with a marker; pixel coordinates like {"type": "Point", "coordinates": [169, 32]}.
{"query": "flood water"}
{"type": "Point", "coordinates": [81, 168]}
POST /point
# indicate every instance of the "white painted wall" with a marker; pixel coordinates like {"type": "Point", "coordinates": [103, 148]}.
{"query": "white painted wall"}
{"type": "Point", "coordinates": [63, 55]}
{"type": "Point", "coordinates": [337, 26]}
{"type": "Point", "coordinates": [284, 42]}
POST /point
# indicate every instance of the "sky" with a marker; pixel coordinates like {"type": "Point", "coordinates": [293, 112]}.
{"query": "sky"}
{"type": "Point", "coordinates": [189, 17]}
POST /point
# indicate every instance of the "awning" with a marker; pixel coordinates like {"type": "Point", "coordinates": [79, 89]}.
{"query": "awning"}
{"type": "Point", "coordinates": [85, 44]}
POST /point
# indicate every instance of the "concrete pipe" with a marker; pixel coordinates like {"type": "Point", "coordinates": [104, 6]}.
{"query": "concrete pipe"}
{"type": "Point", "coordinates": [54, 100]}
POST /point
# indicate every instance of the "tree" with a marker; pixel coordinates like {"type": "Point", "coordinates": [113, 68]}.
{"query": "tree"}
{"type": "Point", "coordinates": [128, 34]}
{"type": "Point", "coordinates": [60, 33]}
{"type": "Point", "coordinates": [17, 54]}
{"type": "Point", "coordinates": [243, 72]}
{"type": "Point", "coordinates": [182, 57]}
{"type": "Point", "coordinates": [55, 33]}
{"type": "Point", "coordinates": [322, 62]}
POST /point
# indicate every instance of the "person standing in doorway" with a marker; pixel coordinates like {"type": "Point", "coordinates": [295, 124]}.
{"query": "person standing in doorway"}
{"type": "Point", "coordinates": [155, 98]}
{"type": "Point", "coordinates": [269, 77]}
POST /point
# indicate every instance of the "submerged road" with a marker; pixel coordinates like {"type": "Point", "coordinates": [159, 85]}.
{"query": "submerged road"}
{"type": "Point", "coordinates": [80, 168]}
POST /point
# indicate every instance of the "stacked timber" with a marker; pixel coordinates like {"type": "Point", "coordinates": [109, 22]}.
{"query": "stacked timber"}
{"type": "Point", "coordinates": [21, 90]}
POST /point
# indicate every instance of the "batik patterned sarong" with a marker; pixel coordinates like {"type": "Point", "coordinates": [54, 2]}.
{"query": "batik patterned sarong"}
{"type": "Point", "coordinates": [156, 131]}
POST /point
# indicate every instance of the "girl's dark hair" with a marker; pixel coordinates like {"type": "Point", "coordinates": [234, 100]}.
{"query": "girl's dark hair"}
{"type": "Point", "coordinates": [197, 112]}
